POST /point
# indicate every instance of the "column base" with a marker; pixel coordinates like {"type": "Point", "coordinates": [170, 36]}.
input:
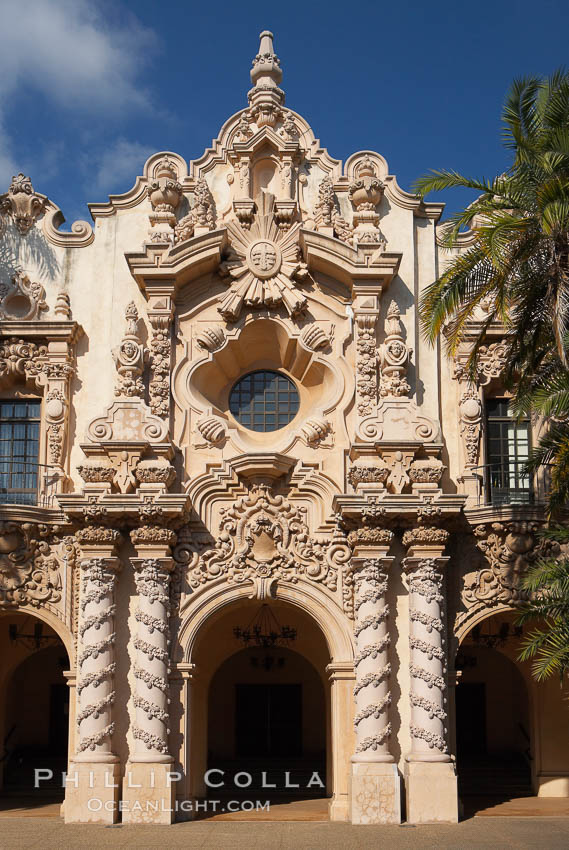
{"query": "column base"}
{"type": "Point", "coordinates": [431, 792]}
{"type": "Point", "coordinates": [148, 793]}
{"type": "Point", "coordinates": [89, 795]}
{"type": "Point", "coordinates": [375, 793]}
{"type": "Point", "coordinates": [339, 808]}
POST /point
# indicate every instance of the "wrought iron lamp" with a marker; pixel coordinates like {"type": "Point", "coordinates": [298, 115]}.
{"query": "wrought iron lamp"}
{"type": "Point", "coordinates": [37, 640]}
{"type": "Point", "coordinates": [265, 631]}
{"type": "Point", "coordinates": [495, 639]}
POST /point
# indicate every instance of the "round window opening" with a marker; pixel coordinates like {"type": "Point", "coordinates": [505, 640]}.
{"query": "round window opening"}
{"type": "Point", "coordinates": [264, 401]}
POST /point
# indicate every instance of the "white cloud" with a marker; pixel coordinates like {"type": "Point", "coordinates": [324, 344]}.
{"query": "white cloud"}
{"type": "Point", "coordinates": [119, 165]}
{"type": "Point", "coordinates": [70, 52]}
{"type": "Point", "coordinates": [79, 54]}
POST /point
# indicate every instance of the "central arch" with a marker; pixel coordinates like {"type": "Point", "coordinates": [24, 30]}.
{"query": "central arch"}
{"type": "Point", "coordinates": [315, 674]}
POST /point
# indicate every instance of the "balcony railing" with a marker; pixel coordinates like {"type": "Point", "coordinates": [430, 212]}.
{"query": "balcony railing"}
{"type": "Point", "coordinates": [25, 483]}
{"type": "Point", "coordinates": [508, 483]}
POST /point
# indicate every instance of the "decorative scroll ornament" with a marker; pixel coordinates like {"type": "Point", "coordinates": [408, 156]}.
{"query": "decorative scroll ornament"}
{"type": "Point", "coordinates": [394, 356]}
{"type": "Point", "coordinates": [470, 412]}
{"type": "Point", "coordinates": [22, 203]}
{"type": "Point", "coordinates": [201, 217]}
{"type": "Point", "coordinates": [130, 358]}
{"type": "Point", "coordinates": [22, 299]}
{"type": "Point", "coordinates": [263, 538]}
{"type": "Point", "coordinates": [29, 571]}
{"type": "Point", "coordinates": [264, 264]}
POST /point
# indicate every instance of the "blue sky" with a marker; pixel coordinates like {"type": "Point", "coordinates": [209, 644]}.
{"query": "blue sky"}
{"type": "Point", "coordinates": [90, 88]}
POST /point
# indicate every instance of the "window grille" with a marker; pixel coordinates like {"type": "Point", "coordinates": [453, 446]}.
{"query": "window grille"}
{"type": "Point", "coordinates": [264, 401]}
{"type": "Point", "coordinates": [19, 451]}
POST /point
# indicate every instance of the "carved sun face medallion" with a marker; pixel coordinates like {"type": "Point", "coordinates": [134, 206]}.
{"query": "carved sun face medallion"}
{"type": "Point", "coordinates": [264, 259]}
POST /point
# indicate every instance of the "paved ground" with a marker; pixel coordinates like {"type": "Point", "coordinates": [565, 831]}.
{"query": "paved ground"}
{"type": "Point", "coordinates": [496, 832]}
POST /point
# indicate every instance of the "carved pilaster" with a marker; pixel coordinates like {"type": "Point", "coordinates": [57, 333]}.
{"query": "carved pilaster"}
{"type": "Point", "coordinates": [95, 660]}
{"type": "Point", "coordinates": [366, 364]}
{"type": "Point", "coordinates": [372, 666]}
{"type": "Point", "coordinates": [424, 568]}
{"type": "Point", "coordinates": [160, 313]}
{"type": "Point", "coordinates": [151, 730]}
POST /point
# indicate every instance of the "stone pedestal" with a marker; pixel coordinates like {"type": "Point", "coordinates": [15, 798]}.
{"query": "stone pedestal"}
{"type": "Point", "coordinates": [92, 793]}
{"type": "Point", "coordinates": [375, 793]}
{"type": "Point", "coordinates": [148, 793]}
{"type": "Point", "coordinates": [431, 792]}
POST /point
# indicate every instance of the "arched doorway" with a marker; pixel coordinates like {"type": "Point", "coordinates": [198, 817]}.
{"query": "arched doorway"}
{"type": "Point", "coordinates": [265, 717]}
{"type": "Point", "coordinates": [34, 707]}
{"type": "Point", "coordinates": [316, 729]}
{"type": "Point", "coordinates": [494, 747]}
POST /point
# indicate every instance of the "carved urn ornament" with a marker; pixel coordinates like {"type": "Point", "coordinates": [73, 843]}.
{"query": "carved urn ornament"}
{"type": "Point", "coordinates": [365, 194]}
{"type": "Point", "coordinates": [165, 193]}
{"type": "Point", "coordinates": [23, 203]}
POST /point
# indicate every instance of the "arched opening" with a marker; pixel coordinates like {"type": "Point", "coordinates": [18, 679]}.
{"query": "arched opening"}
{"type": "Point", "coordinates": [261, 711]}
{"type": "Point", "coordinates": [494, 745]}
{"type": "Point", "coordinates": [265, 713]}
{"type": "Point", "coordinates": [34, 709]}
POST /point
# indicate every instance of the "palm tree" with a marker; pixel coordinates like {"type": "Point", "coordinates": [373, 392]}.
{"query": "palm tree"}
{"type": "Point", "coordinates": [548, 583]}
{"type": "Point", "coordinates": [517, 264]}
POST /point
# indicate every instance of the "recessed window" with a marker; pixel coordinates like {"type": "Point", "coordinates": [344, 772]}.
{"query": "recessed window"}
{"type": "Point", "coordinates": [264, 401]}
{"type": "Point", "coordinates": [508, 449]}
{"type": "Point", "coordinates": [19, 451]}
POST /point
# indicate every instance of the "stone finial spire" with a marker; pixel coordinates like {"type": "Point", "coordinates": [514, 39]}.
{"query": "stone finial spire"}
{"type": "Point", "coordinates": [266, 98]}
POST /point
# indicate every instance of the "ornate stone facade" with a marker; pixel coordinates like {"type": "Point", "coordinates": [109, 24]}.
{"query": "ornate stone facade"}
{"type": "Point", "coordinates": [170, 504]}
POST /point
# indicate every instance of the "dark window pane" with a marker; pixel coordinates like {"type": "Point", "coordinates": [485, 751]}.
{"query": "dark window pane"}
{"type": "Point", "coordinates": [274, 401]}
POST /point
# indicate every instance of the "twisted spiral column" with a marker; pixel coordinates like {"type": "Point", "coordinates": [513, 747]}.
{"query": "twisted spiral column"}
{"type": "Point", "coordinates": [151, 730]}
{"type": "Point", "coordinates": [427, 659]}
{"type": "Point", "coordinates": [96, 665]}
{"type": "Point", "coordinates": [371, 662]}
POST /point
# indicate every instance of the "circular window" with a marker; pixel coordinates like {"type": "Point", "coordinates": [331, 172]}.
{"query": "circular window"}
{"type": "Point", "coordinates": [264, 401]}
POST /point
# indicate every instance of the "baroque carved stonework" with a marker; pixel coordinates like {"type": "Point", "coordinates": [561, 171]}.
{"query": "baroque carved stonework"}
{"type": "Point", "coordinates": [30, 572]}
{"type": "Point", "coordinates": [23, 204]}
{"type": "Point", "coordinates": [366, 364]}
{"type": "Point", "coordinates": [265, 266]}
{"type": "Point", "coordinates": [262, 538]}
{"type": "Point", "coordinates": [22, 299]}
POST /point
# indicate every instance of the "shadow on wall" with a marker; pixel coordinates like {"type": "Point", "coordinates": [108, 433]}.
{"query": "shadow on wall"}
{"type": "Point", "coordinates": [17, 252]}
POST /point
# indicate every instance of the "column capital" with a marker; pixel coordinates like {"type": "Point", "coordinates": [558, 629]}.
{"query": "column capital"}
{"type": "Point", "coordinates": [341, 670]}
{"type": "Point", "coordinates": [184, 670]}
{"type": "Point", "coordinates": [425, 541]}
{"type": "Point", "coordinates": [149, 562]}
{"type": "Point", "coordinates": [98, 541]}
{"type": "Point", "coordinates": [152, 541]}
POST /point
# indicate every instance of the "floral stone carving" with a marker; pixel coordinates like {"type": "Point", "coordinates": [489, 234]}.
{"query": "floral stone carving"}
{"type": "Point", "coordinates": [264, 537]}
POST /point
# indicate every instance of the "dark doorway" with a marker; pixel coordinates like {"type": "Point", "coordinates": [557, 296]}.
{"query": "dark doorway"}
{"type": "Point", "coordinates": [268, 720]}
{"type": "Point", "coordinates": [470, 719]}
